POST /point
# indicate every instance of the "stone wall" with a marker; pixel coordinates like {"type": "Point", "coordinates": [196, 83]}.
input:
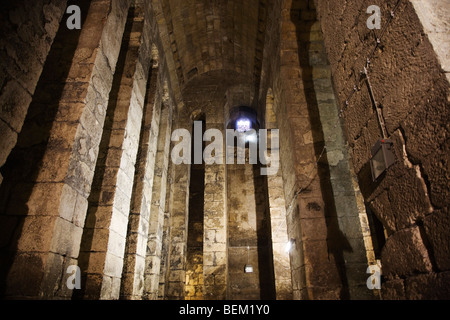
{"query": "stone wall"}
{"type": "Point", "coordinates": [249, 235]}
{"type": "Point", "coordinates": [407, 73]}
{"type": "Point", "coordinates": [29, 31]}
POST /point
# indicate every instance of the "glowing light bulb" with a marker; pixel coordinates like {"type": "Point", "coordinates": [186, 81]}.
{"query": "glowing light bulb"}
{"type": "Point", "coordinates": [243, 125]}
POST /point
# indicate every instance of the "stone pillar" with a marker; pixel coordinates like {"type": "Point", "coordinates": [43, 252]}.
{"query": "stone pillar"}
{"type": "Point", "coordinates": [158, 204]}
{"type": "Point", "coordinates": [138, 224]}
{"type": "Point", "coordinates": [277, 208]}
{"type": "Point", "coordinates": [315, 273]}
{"type": "Point", "coordinates": [215, 229]}
{"type": "Point", "coordinates": [281, 259]}
{"type": "Point", "coordinates": [52, 228]}
{"type": "Point", "coordinates": [345, 212]}
{"type": "Point", "coordinates": [103, 243]}
{"type": "Point", "coordinates": [179, 198]}
{"type": "Point", "coordinates": [166, 236]}
{"type": "Point", "coordinates": [332, 262]}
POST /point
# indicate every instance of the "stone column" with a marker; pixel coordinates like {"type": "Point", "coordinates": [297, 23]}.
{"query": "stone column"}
{"type": "Point", "coordinates": [138, 224]}
{"type": "Point", "coordinates": [179, 198]}
{"type": "Point", "coordinates": [349, 219]}
{"type": "Point", "coordinates": [330, 257]}
{"type": "Point", "coordinates": [281, 259]}
{"type": "Point", "coordinates": [215, 229]}
{"type": "Point", "coordinates": [103, 243]}
{"type": "Point", "coordinates": [277, 208]}
{"type": "Point", "coordinates": [166, 236]}
{"type": "Point", "coordinates": [158, 203]}
{"type": "Point", "coordinates": [315, 273]}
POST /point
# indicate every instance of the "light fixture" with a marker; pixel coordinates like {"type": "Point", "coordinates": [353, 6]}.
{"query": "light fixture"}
{"type": "Point", "coordinates": [248, 267]}
{"type": "Point", "coordinates": [382, 157]}
{"type": "Point", "coordinates": [289, 245]}
{"type": "Point", "coordinates": [243, 125]}
{"type": "Point", "coordinates": [243, 119]}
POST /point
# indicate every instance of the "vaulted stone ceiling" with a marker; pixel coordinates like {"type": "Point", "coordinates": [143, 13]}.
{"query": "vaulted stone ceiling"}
{"type": "Point", "coordinates": [209, 35]}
